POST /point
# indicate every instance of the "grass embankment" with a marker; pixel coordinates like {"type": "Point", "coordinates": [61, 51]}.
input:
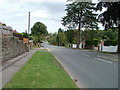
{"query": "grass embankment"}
{"type": "Point", "coordinates": [41, 71]}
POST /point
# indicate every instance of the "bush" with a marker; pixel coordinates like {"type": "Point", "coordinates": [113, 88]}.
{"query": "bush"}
{"type": "Point", "coordinates": [110, 43]}
{"type": "Point", "coordinates": [96, 42]}
{"type": "Point", "coordinates": [90, 43]}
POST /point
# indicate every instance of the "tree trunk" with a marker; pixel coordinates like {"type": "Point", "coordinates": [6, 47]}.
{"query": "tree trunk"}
{"type": "Point", "coordinates": [78, 35]}
{"type": "Point", "coordinates": [118, 40]}
{"type": "Point", "coordinates": [71, 45]}
{"type": "Point", "coordinates": [78, 38]}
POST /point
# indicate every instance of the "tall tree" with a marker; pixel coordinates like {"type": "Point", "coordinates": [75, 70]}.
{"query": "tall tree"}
{"type": "Point", "coordinates": [39, 30]}
{"type": "Point", "coordinates": [70, 35]}
{"type": "Point", "coordinates": [61, 39]}
{"type": "Point", "coordinates": [111, 17]}
{"type": "Point", "coordinates": [79, 14]}
{"type": "Point", "coordinates": [53, 38]}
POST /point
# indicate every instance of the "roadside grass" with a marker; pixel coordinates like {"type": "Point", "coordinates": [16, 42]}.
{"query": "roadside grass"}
{"type": "Point", "coordinates": [94, 51]}
{"type": "Point", "coordinates": [35, 46]}
{"type": "Point", "coordinates": [41, 71]}
{"type": "Point", "coordinates": [104, 52]}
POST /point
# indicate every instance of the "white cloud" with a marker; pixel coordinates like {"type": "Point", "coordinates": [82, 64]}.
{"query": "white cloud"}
{"type": "Point", "coordinates": [33, 0]}
{"type": "Point", "coordinates": [40, 14]}
{"type": "Point", "coordinates": [15, 13]}
{"type": "Point", "coordinates": [43, 0]}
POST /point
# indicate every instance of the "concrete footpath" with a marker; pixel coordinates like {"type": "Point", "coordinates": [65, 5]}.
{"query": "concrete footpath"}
{"type": "Point", "coordinates": [10, 67]}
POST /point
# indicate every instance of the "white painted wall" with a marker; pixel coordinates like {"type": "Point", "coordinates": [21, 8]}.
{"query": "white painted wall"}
{"type": "Point", "coordinates": [104, 48]}
{"type": "Point", "coordinates": [109, 48]}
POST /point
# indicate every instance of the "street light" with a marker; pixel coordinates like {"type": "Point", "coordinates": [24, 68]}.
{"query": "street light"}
{"type": "Point", "coordinates": [28, 31]}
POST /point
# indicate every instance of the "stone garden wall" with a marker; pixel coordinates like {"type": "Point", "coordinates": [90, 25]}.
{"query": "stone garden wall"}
{"type": "Point", "coordinates": [11, 46]}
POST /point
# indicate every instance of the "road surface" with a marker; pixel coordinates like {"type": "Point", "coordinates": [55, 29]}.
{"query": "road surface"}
{"type": "Point", "coordinates": [90, 69]}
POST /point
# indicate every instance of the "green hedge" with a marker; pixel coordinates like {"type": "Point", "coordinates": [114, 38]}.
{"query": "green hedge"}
{"type": "Point", "coordinates": [89, 43]}
{"type": "Point", "coordinates": [110, 42]}
{"type": "Point", "coordinates": [96, 42]}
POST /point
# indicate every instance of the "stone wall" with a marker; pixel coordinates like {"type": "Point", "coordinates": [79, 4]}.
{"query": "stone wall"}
{"type": "Point", "coordinates": [0, 47]}
{"type": "Point", "coordinates": [12, 47]}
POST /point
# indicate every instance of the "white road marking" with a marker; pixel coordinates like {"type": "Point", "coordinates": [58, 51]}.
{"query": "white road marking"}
{"type": "Point", "coordinates": [109, 62]}
{"type": "Point", "coordinates": [103, 60]}
{"type": "Point", "coordinates": [85, 55]}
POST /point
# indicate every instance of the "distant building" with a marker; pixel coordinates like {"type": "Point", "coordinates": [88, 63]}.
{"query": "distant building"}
{"type": "Point", "coordinates": [6, 30]}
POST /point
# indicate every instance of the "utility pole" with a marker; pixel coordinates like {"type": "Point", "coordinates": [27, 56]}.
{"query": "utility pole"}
{"type": "Point", "coordinates": [28, 31]}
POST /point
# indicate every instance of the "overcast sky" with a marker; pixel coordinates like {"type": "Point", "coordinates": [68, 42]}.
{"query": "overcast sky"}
{"type": "Point", "coordinates": [14, 13]}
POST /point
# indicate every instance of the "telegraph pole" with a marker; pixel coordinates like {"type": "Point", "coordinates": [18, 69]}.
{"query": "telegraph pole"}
{"type": "Point", "coordinates": [28, 31]}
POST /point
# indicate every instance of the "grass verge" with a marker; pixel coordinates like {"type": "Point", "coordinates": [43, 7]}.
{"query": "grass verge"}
{"type": "Point", "coordinates": [35, 46]}
{"type": "Point", "coordinates": [41, 71]}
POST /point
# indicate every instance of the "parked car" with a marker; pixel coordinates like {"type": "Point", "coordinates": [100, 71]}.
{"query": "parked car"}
{"type": "Point", "coordinates": [42, 45]}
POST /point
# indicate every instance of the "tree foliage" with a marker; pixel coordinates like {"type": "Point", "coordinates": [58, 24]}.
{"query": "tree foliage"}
{"type": "Point", "coordinates": [61, 39]}
{"type": "Point", "coordinates": [111, 17]}
{"type": "Point", "coordinates": [80, 14]}
{"type": "Point", "coordinates": [39, 30]}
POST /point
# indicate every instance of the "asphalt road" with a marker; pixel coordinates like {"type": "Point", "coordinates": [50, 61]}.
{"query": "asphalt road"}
{"type": "Point", "coordinates": [90, 69]}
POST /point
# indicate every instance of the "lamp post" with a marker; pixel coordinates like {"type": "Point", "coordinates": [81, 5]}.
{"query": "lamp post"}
{"type": "Point", "coordinates": [28, 31]}
{"type": "Point", "coordinates": [101, 45]}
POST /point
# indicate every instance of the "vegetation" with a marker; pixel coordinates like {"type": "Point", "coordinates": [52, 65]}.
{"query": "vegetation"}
{"type": "Point", "coordinates": [90, 37]}
{"type": "Point", "coordinates": [39, 31]}
{"type": "Point", "coordinates": [81, 15]}
{"type": "Point", "coordinates": [111, 17]}
{"type": "Point", "coordinates": [41, 71]}
{"type": "Point", "coordinates": [61, 39]}
{"type": "Point", "coordinates": [53, 38]}
{"type": "Point", "coordinates": [110, 43]}
{"type": "Point", "coordinates": [70, 36]}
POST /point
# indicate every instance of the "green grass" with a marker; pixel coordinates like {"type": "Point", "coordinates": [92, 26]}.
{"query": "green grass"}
{"type": "Point", "coordinates": [41, 71]}
{"type": "Point", "coordinates": [104, 52]}
{"type": "Point", "coordinates": [35, 46]}
{"type": "Point", "coordinates": [89, 50]}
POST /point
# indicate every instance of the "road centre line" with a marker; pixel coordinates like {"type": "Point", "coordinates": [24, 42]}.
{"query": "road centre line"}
{"type": "Point", "coordinates": [85, 55]}
{"type": "Point", "coordinates": [109, 62]}
{"type": "Point", "coordinates": [103, 60]}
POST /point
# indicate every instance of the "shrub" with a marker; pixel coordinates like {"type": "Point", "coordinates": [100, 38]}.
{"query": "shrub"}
{"type": "Point", "coordinates": [96, 42]}
{"type": "Point", "coordinates": [90, 43]}
{"type": "Point", "coordinates": [110, 43]}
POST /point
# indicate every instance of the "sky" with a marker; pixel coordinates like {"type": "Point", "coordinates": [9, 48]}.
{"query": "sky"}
{"type": "Point", "coordinates": [14, 13]}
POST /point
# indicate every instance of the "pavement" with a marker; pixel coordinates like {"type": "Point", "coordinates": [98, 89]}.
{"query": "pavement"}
{"type": "Point", "coordinates": [10, 67]}
{"type": "Point", "coordinates": [90, 69]}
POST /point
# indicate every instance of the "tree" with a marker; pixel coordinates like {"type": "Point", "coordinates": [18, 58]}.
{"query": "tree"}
{"type": "Point", "coordinates": [61, 38]}
{"type": "Point", "coordinates": [24, 34]}
{"type": "Point", "coordinates": [91, 36]}
{"type": "Point", "coordinates": [111, 17]}
{"type": "Point", "coordinates": [80, 14]}
{"type": "Point", "coordinates": [39, 30]}
{"type": "Point", "coordinates": [53, 38]}
{"type": "Point", "coordinates": [70, 35]}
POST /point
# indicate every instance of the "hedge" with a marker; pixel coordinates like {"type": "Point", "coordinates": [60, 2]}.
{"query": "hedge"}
{"type": "Point", "coordinates": [90, 43]}
{"type": "Point", "coordinates": [110, 43]}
